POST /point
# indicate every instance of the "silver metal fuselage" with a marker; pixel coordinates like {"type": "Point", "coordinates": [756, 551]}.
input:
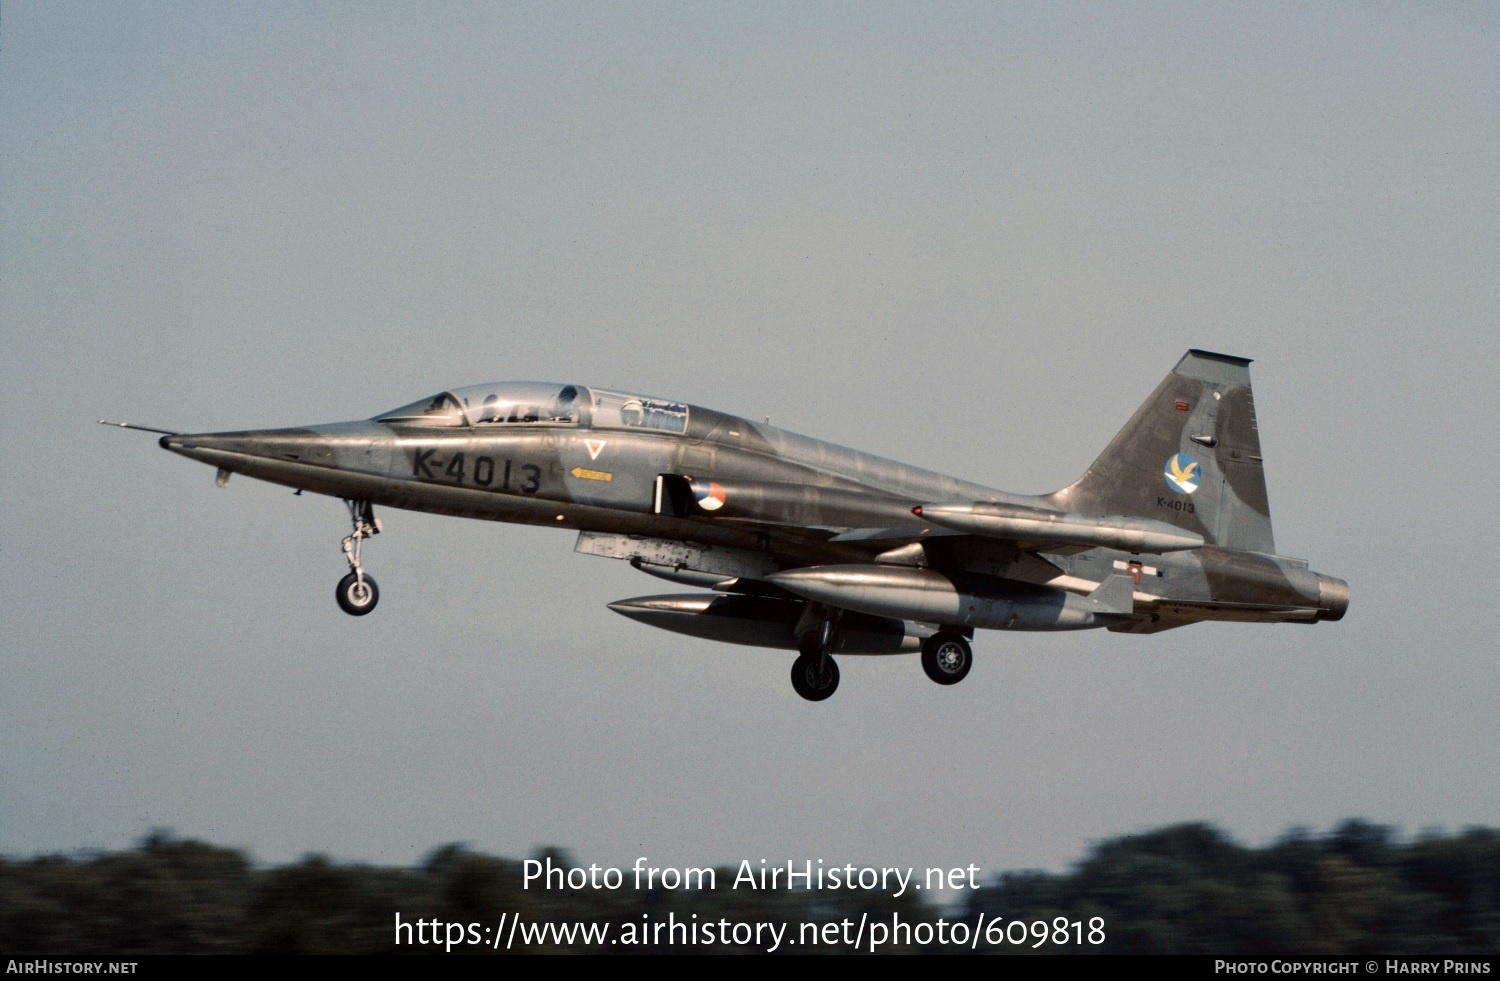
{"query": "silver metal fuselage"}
{"type": "Point", "coordinates": [793, 501]}
{"type": "Point", "coordinates": [548, 475]}
{"type": "Point", "coordinates": [804, 545]}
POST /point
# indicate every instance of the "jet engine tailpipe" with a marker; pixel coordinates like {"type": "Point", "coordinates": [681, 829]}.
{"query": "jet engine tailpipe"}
{"type": "Point", "coordinates": [1333, 598]}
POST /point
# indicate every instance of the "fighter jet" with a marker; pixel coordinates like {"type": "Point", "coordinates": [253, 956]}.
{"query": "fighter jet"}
{"type": "Point", "coordinates": [806, 546]}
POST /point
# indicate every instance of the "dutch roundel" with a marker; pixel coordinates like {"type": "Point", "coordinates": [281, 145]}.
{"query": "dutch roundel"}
{"type": "Point", "coordinates": [709, 495]}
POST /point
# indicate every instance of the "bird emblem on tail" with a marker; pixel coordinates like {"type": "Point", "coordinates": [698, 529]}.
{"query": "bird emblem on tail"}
{"type": "Point", "coordinates": [1182, 472]}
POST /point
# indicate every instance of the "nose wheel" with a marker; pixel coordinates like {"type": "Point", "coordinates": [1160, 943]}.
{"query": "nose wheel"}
{"type": "Point", "coordinates": [357, 593]}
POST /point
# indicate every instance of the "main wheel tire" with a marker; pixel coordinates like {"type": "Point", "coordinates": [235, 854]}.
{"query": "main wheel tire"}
{"type": "Point", "coordinates": [947, 658]}
{"type": "Point", "coordinates": [812, 683]}
{"type": "Point", "coordinates": [357, 599]}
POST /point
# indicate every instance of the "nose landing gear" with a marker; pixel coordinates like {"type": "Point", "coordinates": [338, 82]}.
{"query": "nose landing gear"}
{"type": "Point", "coordinates": [357, 593]}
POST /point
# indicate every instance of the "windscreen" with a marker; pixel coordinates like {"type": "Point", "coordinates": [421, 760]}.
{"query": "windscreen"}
{"type": "Point", "coordinates": [440, 410]}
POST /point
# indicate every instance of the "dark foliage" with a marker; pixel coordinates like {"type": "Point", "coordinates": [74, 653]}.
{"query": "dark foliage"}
{"type": "Point", "coordinates": [1189, 888]}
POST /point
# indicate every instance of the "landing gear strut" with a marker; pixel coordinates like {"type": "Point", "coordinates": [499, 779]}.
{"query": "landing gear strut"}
{"type": "Point", "coordinates": [357, 593]}
{"type": "Point", "coordinates": [815, 676]}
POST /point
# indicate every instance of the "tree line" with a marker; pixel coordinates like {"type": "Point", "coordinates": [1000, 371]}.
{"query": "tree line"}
{"type": "Point", "coordinates": [1358, 889]}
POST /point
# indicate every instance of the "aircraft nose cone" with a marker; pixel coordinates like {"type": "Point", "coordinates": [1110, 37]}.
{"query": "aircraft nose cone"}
{"type": "Point", "coordinates": [292, 456]}
{"type": "Point", "coordinates": [304, 445]}
{"type": "Point", "coordinates": [189, 445]}
{"type": "Point", "coordinates": [211, 447]}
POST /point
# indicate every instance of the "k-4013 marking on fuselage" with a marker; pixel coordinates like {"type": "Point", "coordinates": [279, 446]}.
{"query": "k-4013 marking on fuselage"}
{"type": "Point", "coordinates": [482, 474]}
{"type": "Point", "coordinates": [808, 546]}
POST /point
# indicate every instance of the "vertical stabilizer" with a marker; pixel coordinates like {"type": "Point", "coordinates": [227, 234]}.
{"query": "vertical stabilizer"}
{"type": "Point", "coordinates": [1189, 456]}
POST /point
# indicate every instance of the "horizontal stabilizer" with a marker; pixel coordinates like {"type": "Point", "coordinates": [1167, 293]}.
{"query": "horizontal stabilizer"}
{"type": "Point", "coordinates": [1115, 595]}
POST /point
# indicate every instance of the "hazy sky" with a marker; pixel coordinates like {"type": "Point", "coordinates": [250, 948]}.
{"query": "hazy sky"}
{"type": "Point", "coordinates": [970, 237]}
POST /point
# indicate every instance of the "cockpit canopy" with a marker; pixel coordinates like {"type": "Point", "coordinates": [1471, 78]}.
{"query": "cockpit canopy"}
{"type": "Point", "coordinates": [539, 404]}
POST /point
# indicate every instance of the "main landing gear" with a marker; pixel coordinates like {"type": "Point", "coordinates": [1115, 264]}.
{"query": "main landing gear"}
{"type": "Point", "coordinates": [815, 676]}
{"type": "Point", "coordinates": [357, 593]}
{"type": "Point", "coordinates": [947, 657]}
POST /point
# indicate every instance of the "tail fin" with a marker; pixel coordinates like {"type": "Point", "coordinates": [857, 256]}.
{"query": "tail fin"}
{"type": "Point", "coordinates": [1189, 456]}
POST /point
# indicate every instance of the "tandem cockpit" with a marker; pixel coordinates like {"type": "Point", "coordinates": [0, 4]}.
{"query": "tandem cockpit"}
{"type": "Point", "coordinates": [539, 404]}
